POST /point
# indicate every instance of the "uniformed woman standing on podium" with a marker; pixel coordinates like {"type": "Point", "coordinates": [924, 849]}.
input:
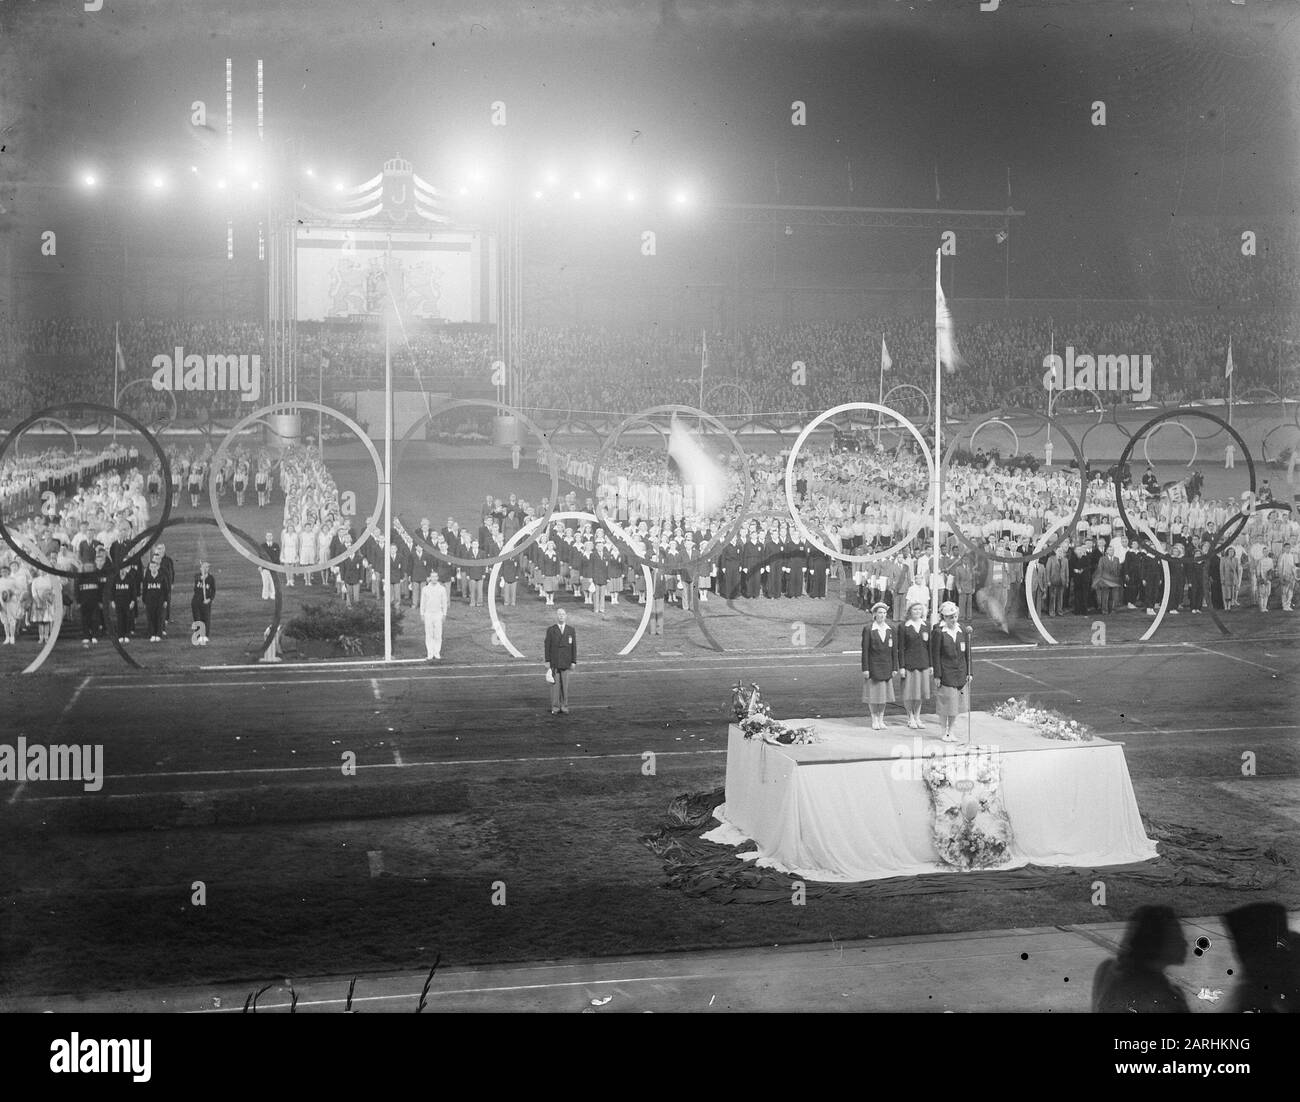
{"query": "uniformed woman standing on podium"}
{"type": "Point", "coordinates": [878, 664]}
{"type": "Point", "coordinates": [914, 664]}
{"type": "Point", "coordinates": [950, 655]}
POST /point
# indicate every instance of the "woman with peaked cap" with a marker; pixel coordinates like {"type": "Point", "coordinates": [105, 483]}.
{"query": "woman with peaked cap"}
{"type": "Point", "coordinates": [950, 655]}
{"type": "Point", "coordinates": [912, 659]}
{"type": "Point", "coordinates": [878, 664]}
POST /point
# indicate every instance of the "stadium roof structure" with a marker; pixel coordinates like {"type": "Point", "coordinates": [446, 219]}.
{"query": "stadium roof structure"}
{"type": "Point", "coordinates": [866, 218]}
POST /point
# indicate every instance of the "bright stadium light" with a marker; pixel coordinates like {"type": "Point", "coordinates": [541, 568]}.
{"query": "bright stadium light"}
{"type": "Point", "coordinates": [577, 195]}
{"type": "Point", "coordinates": [308, 172]}
{"type": "Point", "coordinates": [681, 198]}
{"type": "Point", "coordinates": [221, 185]}
{"type": "Point", "coordinates": [339, 185]}
{"type": "Point", "coordinates": [157, 181]}
{"type": "Point", "coordinates": [464, 190]}
{"type": "Point", "coordinates": [89, 179]}
{"type": "Point", "coordinates": [194, 169]}
{"type": "Point", "coordinates": [539, 194]}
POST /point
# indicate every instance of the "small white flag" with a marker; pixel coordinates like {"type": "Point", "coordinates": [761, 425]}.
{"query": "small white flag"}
{"type": "Point", "coordinates": [1227, 370]}
{"type": "Point", "coordinates": [885, 362]}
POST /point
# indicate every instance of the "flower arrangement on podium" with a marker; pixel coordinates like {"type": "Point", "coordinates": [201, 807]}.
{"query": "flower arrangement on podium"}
{"type": "Point", "coordinates": [971, 828]}
{"type": "Point", "coordinates": [1045, 721]}
{"type": "Point", "coordinates": [755, 720]}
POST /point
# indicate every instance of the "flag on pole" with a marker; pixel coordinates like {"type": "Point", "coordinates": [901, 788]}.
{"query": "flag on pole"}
{"type": "Point", "coordinates": [1227, 370]}
{"type": "Point", "coordinates": [885, 362]}
{"type": "Point", "coordinates": [945, 342]}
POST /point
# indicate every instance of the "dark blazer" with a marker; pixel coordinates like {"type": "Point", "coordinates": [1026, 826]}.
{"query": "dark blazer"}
{"type": "Point", "coordinates": [912, 649]}
{"type": "Point", "coordinates": [877, 653]}
{"type": "Point", "coordinates": [561, 646]}
{"type": "Point", "coordinates": [951, 660]}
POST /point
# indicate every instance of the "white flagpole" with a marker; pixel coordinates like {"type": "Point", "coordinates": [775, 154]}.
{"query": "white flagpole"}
{"type": "Point", "coordinates": [117, 358]}
{"type": "Point", "coordinates": [935, 488]}
{"type": "Point", "coordinates": [880, 394]}
{"type": "Point", "coordinates": [388, 470]}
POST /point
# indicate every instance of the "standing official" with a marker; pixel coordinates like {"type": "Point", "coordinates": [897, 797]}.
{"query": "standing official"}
{"type": "Point", "coordinates": [270, 551]}
{"type": "Point", "coordinates": [434, 602]}
{"type": "Point", "coordinates": [561, 660]}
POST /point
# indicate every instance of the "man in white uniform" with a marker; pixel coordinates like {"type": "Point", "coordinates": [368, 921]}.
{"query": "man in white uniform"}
{"type": "Point", "coordinates": [433, 610]}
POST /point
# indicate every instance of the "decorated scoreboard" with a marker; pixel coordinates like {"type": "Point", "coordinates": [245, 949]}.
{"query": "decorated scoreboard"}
{"type": "Point", "coordinates": [393, 228]}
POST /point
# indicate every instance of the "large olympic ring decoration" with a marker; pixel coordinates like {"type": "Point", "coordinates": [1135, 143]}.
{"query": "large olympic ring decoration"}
{"type": "Point", "coordinates": [1033, 565]}
{"type": "Point", "coordinates": [1057, 393]}
{"type": "Point", "coordinates": [171, 394]}
{"type": "Point", "coordinates": [884, 400]}
{"type": "Point", "coordinates": [55, 628]}
{"type": "Point", "coordinates": [708, 397]}
{"type": "Point", "coordinates": [1081, 461]}
{"type": "Point", "coordinates": [76, 444]}
{"type": "Point", "coordinates": [507, 552]}
{"type": "Point", "coordinates": [808, 429]}
{"type": "Point", "coordinates": [271, 632]}
{"type": "Point", "coordinates": [723, 537]}
{"type": "Point", "coordinates": [1256, 508]}
{"type": "Point", "coordinates": [1263, 444]}
{"type": "Point", "coordinates": [149, 438]}
{"type": "Point", "coordinates": [552, 463]}
{"type": "Point", "coordinates": [214, 469]}
{"type": "Point", "coordinates": [1245, 451]}
{"type": "Point", "coordinates": [1015, 436]}
{"type": "Point", "coordinates": [1146, 441]}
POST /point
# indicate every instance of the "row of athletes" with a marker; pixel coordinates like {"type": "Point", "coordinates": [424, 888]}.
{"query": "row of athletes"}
{"type": "Point", "coordinates": [236, 472]}
{"type": "Point", "coordinates": [109, 597]}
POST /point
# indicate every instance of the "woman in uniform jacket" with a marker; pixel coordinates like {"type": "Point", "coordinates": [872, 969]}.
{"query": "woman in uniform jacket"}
{"type": "Point", "coordinates": [205, 589]}
{"type": "Point", "coordinates": [878, 648]}
{"type": "Point", "coordinates": [950, 656]}
{"type": "Point", "coordinates": [912, 660]}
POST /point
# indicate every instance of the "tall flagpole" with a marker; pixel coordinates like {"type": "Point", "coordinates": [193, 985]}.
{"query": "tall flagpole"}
{"type": "Point", "coordinates": [880, 392]}
{"type": "Point", "coordinates": [938, 452]}
{"type": "Point", "coordinates": [117, 359]}
{"type": "Point", "coordinates": [388, 472]}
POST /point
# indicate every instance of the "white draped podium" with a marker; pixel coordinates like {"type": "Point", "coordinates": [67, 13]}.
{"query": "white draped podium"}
{"type": "Point", "coordinates": [855, 807]}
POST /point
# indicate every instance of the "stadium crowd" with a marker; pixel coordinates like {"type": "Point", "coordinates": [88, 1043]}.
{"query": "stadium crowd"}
{"type": "Point", "coordinates": [49, 362]}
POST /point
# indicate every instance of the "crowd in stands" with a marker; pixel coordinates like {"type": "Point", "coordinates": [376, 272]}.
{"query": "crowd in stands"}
{"type": "Point", "coordinates": [799, 367]}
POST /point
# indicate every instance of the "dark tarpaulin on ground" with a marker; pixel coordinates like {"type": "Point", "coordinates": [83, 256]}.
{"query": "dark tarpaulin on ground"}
{"type": "Point", "coordinates": [712, 871]}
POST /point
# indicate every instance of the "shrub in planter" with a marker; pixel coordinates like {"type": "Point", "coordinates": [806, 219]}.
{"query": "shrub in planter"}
{"type": "Point", "coordinates": [334, 620]}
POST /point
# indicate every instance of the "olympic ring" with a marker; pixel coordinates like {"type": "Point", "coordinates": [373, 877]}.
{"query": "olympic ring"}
{"type": "Point", "coordinates": [1033, 565]}
{"type": "Point", "coordinates": [1255, 508]}
{"type": "Point", "coordinates": [76, 444]}
{"type": "Point", "coordinates": [732, 386]}
{"type": "Point", "coordinates": [149, 438]}
{"type": "Point", "coordinates": [1081, 462]}
{"type": "Point", "coordinates": [789, 479]}
{"type": "Point", "coordinates": [215, 469]}
{"type": "Point", "coordinates": [171, 394]}
{"type": "Point", "coordinates": [1056, 393]}
{"type": "Point", "coordinates": [271, 632]}
{"type": "Point", "coordinates": [507, 553]}
{"type": "Point", "coordinates": [884, 400]}
{"type": "Point", "coordinates": [710, 549]}
{"type": "Point", "coordinates": [1146, 441]}
{"type": "Point", "coordinates": [56, 627]}
{"type": "Point", "coordinates": [1263, 445]}
{"type": "Point", "coordinates": [1015, 436]}
{"type": "Point", "coordinates": [1245, 451]}
{"type": "Point", "coordinates": [456, 560]}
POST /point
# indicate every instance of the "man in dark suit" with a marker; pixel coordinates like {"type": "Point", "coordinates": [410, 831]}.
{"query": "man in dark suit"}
{"type": "Point", "coordinates": [561, 660]}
